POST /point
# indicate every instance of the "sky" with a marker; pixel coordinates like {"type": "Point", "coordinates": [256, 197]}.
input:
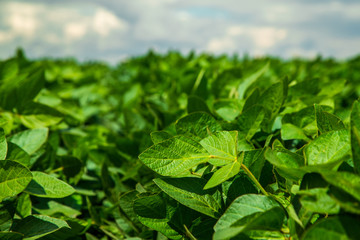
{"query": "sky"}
{"type": "Point", "coordinates": [112, 30]}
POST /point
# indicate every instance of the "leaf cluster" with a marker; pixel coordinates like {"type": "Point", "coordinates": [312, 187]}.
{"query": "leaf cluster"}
{"type": "Point", "coordinates": [180, 147]}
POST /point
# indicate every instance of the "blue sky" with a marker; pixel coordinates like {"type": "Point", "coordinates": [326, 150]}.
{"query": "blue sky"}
{"type": "Point", "coordinates": [112, 30]}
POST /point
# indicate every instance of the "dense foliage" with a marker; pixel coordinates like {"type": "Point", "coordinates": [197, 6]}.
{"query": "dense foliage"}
{"type": "Point", "coordinates": [180, 147]}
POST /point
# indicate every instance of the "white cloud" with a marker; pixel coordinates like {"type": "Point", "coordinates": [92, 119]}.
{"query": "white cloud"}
{"type": "Point", "coordinates": [22, 18]}
{"type": "Point", "coordinates": [219, 45]}
{"type": "Point", "coordinates": [75, 30]}
{"type": "Point", "coordinates": [5, 37]}
{"type": "Point", "coordinates": [105, 21]}
{"type": "Point", "coordinates": [262, 38]}
{"type": "Point", "coordinates": [266, 37]}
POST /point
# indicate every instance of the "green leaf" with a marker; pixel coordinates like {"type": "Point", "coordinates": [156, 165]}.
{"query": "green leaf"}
{"type": "Point", "coordinates": [224, 173]}
{"type": "Point", "coordinates": [155, 213]}
{"type": "Point", "coordinates": [244, 206]}
{"type": "Point", "coordinates": [326, 121]}
{"type": "Point", "coordinates": [77, 227]}
{"type": "Point", "coordinates": [17, 154]}
{"type": "Point", "coordinates": [10, 236]}
{"type": "Point", "coordinates": [175, 156]}
{"type": "Point", "coordinates": [46, 186]}
{"type": "Point", "coordinates": [264, 234]}
{"type": "Point", "coordinates": [290, 131]}
{"type": "Point", "coordinates": [38, 226]}
{"type": "Point", "coordinates": [126, 203]}
{"type": "Point", "coordinates": [30, 140]}
{"type": "Point", "coordinates": [249, 80]}
{"type": "Point", "coordinates": [271, 219]}
{"type": "Point", "coordinates": [338, 227]}
{"type": "Point", "coordinates": [317, 200]}
{"type": "Point", "coordinates": [72, 166]}
{"type": "Point", "coordinates": [3, 145]}
{"type": "Point", "coordinates": [271, 100]}
{"type": "Point", "coordinates": [228, 109]}
{"type": "Point", "coordinates": [198, 124]}
{"type": "Point", "coordinates": [14, 178]}
{"type": "Point", "coordinates": [36, 115]}
{"type": "Point", "coordinates": [254, 160]}
{"type": "Point", "coordinates": [190, 192]}
{"type": "Point", "coordinates": [288, 164]}
{"type": "Point", "coordinates": [348, 182]}
{"type": "Point", "coordinates": [196, 104]}
{"type": "Point", "coordinates": [9, 69]}
{"type": "Point", "coordinates": [18, 91]}
{"type": "Point", "coordinates": [328, 149]}
{"type": "Point", "coordinates": [52, 208]}
{"type": "Point", "coordinates": [301, 118]}
{"type": "Point", "coordinates": [6, 216]}
{"type": "Point", "coordinates": [23, 205]}
{"type": "Point", "coordinates": [159, 136]}
{"type": "Point", "coordinates": [250, 120]}
{"type": "Point", "coordinates": [239, 185]}
{"type": "Point", "coordinates": [347, 202]}
{"type": "Point", "coordinates": [355, 135]}
{"type": "Point", "coordinates": [222, 147]}
{"type": "Point", "coordinates": [94, 213]}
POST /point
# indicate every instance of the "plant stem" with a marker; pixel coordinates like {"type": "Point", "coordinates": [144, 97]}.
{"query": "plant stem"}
{"type": "Point", "coordinates": [188, 233]}
{"type": "Point", "coordinates": [253, 178]}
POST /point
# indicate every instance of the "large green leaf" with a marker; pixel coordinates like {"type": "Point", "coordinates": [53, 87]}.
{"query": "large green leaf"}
{"type": "Point", "coordinates": [355, 135]}
{"type": "Point", "coordinates": [328, 149]}
{"type": "Point", "coordinates": [44, 185]}
{"type": "Point", "coordinates": [30, 140]}
{"type": "Point", "coordinates": [347, 181]}
{"type": "Point", "coordinates": [155, 213]}
{"type": "Point", "coordinates": [175, 156]}
{"type": "Point", "coordinates": [326, 121]}
{"type": "Point", "coordinates": [198, 124]}
{"type": "Point", "coordinates": [244, 206]}
{"type": "Point", "coordinates": [36, 226]}
{"type": "Point", "coordinates": [222, 147]}
{"type": "Point", "coordinates": [271, 220]}
{"type": "Point", "coordinates": [3, 145]}
{"type": "Point", "coordinates": [338, 227]}
{"type": "Point", "coordinates": [190, 192]}
{"type": "Point", "coordinates": [14, 178]}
